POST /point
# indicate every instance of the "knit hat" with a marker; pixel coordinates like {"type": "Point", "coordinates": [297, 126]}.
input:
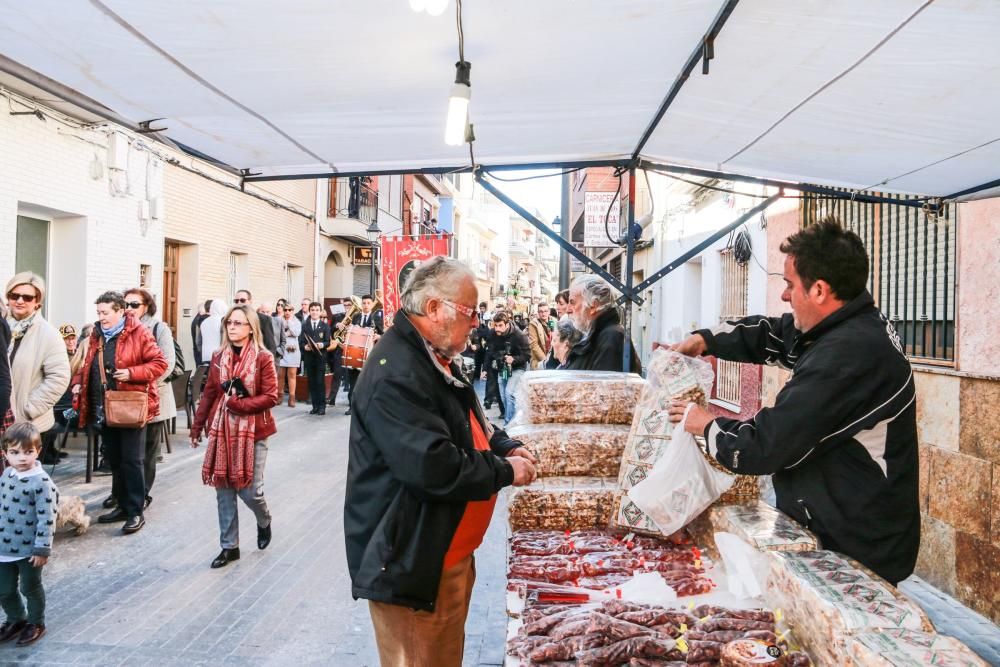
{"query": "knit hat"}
{"type": "Point", "coordinates": [28, 278]}
{"type": "Point", "coordinates": [67, 330]}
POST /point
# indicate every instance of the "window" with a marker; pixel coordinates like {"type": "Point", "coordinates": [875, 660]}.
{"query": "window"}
{"type": "Point", "coordinates": [294, 283]}
{"type": "Point", "coordinates": [733, 306]}
{"type": "Point", "coordinates": [238, 274]}
{"type": "Point", "coordinates": [912, 277]}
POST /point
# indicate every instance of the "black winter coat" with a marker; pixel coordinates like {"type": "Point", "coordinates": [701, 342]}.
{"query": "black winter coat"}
{"type": "Point", "coordinates": [320, 335]}
{"type": "Point", "coordinates": [841, 439]}
{"type": "Point", "coordinates": [603, 348]}
{"type": "Point", "coordinates": [412, 468]}
{"type": "Point", "coordinates": [5, 384]}
{"type": "Point", "coordinates": [520, 348]}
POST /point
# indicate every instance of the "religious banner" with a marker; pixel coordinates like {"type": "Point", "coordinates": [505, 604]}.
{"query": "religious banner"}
{"type": "Point", "coordinates": [399, 256]}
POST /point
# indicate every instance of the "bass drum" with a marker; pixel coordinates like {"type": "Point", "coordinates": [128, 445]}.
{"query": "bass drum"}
{"type": "Point", "coordinates": [357, 344]}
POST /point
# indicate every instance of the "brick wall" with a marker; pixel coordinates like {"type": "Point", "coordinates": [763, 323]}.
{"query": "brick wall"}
{"type": "Point", "coordinates": [53, 171]}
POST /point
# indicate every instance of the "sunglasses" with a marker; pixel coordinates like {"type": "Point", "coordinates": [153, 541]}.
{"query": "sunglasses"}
{"type": "Point", "coordinates": [239, 300]}
{"type": "Point", "coordinates": [134, 305]}
{"type": "Point", "coordinates": [289, 310]}
{"type": "Point", "coordinates": [18, 296]}
{"type": "Point", "coordinates": [235, 323]}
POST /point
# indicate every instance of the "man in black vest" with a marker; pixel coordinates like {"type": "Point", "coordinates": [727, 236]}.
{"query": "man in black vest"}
{"type": "Point", "coordinates": [367, 320]}
{"type": "Point", "coordinates": [313, 341]}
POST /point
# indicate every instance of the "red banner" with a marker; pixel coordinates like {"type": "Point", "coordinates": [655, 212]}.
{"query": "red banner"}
{"type": "Point", "coordinates": [399, 256]}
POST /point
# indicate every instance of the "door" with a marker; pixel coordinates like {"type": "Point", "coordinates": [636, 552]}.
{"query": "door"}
{"type": "Point", "coordinates": [171, 265]}
{"type": "Point", "coordinates": [32, 251]}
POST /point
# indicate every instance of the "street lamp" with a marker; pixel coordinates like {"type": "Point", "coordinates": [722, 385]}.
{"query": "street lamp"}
{"type": "Point", "coordinates": [373, 232]}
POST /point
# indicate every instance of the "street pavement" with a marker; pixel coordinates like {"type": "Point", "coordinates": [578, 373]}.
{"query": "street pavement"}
{"type": "Point", "coordinates": [151, 598]}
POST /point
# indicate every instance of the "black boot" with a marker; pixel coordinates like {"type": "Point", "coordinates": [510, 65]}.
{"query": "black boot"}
{"type": "Point", "coordinates": [263, 536]}
{"type": "Point", "coordinates": [225, 557]}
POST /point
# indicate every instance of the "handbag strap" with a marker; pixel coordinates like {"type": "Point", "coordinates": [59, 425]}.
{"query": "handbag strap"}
{"type": "Point", "coordinates": [100, 354]}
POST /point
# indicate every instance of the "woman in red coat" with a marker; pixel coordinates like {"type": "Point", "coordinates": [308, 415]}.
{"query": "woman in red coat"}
{"type": "Point", "coordinates": [235, 414]}
{"type": "Point", "coordinates": [132, 362]}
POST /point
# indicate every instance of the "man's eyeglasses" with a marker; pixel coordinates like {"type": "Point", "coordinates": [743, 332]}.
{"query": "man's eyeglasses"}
{"type": "Point", "coordinates": [236, 323]}
{"type": "Point", "coordinates": [19, 296]}
{"type": "Point", "coordinates": [134, 305]}
{"type": "Point", "coordinates": [239, 300]}
{"type": "Point", "coordinates": [464, 310]}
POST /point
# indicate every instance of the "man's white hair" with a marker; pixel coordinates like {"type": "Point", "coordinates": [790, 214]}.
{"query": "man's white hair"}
{"type": "Point", "coordinates": [437, 278]}
{"type": "Point", "coordinates": [595, 291]}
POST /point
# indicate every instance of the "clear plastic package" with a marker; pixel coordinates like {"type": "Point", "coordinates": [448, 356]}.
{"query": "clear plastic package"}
{"type": "Point", "coordinates": [574, 450]}
{"type": "Point", "coordinates": [909, 648]}
{"type": "Point", "coordinates": [577, 397]}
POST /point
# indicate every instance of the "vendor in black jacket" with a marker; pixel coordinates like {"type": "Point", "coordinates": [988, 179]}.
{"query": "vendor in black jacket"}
{"type": "Point", "coordinates": [841, 439]}
{"type": "Point", "coordinates": [593, 311]}
{"type": "Point", "coordinates": [424, 469]}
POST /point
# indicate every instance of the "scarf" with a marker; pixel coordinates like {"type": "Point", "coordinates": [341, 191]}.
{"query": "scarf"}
{"type": "Point", "coordinates": [229, 455]}
{"type": "Point", "coordinates": [114, 330]}
{"type": "Point", "coordinates": [18, 328]}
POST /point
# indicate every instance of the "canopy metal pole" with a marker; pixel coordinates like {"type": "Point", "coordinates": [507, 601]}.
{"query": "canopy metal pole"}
{"type": "Point", "coordinates": [627, 292]}
{"type": "Point", "coordinates": [972, 190]}
{"type": "Point", "coordinates": [669, 169]}
{"type": "Point", "coordinates": [629, 256]}
{"type": "Point", "coordinates": [697, 250]}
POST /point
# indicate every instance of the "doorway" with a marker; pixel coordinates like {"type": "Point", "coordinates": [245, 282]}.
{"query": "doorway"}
{"type": "Point", "coordinates": [171, 269]}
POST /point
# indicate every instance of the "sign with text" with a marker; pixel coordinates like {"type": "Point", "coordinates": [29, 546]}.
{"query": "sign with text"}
{"type": "Point", "coordinates": [362, 255]}
{"type": "Point", "coordinates": [595, 205]}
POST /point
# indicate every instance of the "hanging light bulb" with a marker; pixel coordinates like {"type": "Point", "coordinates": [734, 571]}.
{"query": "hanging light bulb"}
{"type": "Point", "coordinates": [458, 105]}
{"type": "Point", "coordinates": [418, 5]}
{"type": "Point", "coordinates": [434, 7]}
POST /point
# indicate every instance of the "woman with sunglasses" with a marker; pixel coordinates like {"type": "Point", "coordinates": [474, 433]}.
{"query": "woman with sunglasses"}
{"type": "Point", "coordinates": [291, 359]}
{"type": "Point", "coordinates": [141, 304]}
{"type": "Point", "coordinates": [235, 415]}
{"type": "Point", "coordinates": [122, 356]}
{"type": "Point", "coordinates": [39, 367]}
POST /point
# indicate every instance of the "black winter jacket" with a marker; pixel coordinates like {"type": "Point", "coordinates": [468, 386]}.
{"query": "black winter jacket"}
{"type": "Point", "coordinates": [841, 439]}
{"type": "Point", "coordinates": [520, 348]}
{"type": "Point", "coordinates": [412, 468]}
{"type": "Point", "coordinates": [603, 349]}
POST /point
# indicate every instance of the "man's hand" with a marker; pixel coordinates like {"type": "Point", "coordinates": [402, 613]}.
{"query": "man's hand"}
{"type": "Point", "coordinates": [523, 453]}
{"type": "Point", "coordinates": [697, 419]}
{"type": "Point", "coordinates": [692, 346]}
{"type": "Point", "coordinates": [524, 470]}
{"type": "Point", "coordinates": [509, 359]}
{"type": "Point", "coordinates": [38, 561]}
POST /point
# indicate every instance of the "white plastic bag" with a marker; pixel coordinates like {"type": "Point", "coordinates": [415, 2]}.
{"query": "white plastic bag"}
{"type": "Point", "coordinates": [681, 485]}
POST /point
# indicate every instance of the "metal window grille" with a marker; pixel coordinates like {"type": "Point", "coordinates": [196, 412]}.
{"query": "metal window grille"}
{"type": "Point", "coordinates": [912, 268]}
{"type": "Point", "coordinates": [234, 273]}
{"type": "Point", "coordinates": [728, 385]}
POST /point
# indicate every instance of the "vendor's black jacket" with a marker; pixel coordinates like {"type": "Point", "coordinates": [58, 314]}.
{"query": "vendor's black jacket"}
{"type": "Point", "coordinates": [841, 439]}
{"type": "Point", "coordinates": [520, 348]}
{"type": "Point", "coordinates": [412, 468]}
{"type": "Point", "coordinates": [603, 348]}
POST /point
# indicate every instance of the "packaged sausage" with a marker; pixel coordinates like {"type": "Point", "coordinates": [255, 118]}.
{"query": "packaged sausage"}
{"type": "Point", "coordinates": [574, 450]}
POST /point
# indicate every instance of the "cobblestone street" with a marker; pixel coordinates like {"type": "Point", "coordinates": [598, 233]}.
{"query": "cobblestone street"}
{"type": "Point", "coordinates": [151, 599]}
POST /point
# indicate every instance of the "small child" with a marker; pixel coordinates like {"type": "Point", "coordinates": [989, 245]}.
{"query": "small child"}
{"type": "Point", "coordinates": [28, 505]}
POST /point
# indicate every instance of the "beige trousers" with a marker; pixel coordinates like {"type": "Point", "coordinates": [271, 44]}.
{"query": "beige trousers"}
{"type": "Point", "coordinates": [409, 638]}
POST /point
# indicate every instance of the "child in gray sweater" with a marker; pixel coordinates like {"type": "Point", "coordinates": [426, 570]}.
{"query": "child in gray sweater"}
{"type": "Point", "coordinates": [28, 505]}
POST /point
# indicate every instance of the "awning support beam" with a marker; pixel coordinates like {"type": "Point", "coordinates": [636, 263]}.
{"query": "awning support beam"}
{"type": "Point", "coordinates": [629, 257]}
{"type": "Point", "coordinates": [703, 52]}
{"type": "Point", "coordinates": [627, 292]}
{"type": "Point", "coordinates": [973, 190]}
{"type": "Point", "coordinates": [698, 249]}
{"type": "Point", "coordinates": [801, 187]}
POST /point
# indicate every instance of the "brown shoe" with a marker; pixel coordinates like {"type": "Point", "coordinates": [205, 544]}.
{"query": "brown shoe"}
{"type": "Point", "coordinates": [10, 630]}
{"type": "Point", "coordinates": [31, 634]}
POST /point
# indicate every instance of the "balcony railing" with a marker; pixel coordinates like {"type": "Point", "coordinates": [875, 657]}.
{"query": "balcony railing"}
{"type": "Point", "coordinates": [359, 202]}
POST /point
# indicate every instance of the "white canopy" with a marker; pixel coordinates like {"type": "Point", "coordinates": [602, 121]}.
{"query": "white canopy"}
{"type": "Point", "coordinates": [900, 95]}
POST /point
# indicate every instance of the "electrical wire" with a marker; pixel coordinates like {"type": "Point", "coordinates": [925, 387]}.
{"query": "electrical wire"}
{"type": "Point", "coordinates": [461, 30]}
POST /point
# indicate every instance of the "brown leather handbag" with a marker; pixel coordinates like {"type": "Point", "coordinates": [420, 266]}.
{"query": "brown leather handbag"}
{"type": "Point", "coordinates": [122, 409]}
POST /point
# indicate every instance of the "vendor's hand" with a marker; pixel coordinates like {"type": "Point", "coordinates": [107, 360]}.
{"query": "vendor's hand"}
{"type": "Point", "coordinates": [692, 346]}
{"type": "Point", "coordinates": [697, 419]}
{"type": "Point", "coordinates": [122, 375]}
{"type": "Point", "coordinates": [38, 561]}
{"type": "Point", "coordinates": [509, 359]}
{"type": "Point", "coordinates": [523, 453]}
{"type": "Point", "coordinates": [524, 470]}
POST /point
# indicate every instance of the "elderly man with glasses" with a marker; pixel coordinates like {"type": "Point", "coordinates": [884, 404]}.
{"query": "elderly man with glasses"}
{"type": "Point", "coordinates": [424, 469]}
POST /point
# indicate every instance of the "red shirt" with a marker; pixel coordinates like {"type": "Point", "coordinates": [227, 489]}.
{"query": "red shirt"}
{"type": "Point", "coordinates": [478, 513]}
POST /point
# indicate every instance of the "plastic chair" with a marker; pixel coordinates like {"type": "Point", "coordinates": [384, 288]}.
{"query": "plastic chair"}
{"type": "Point", "coordinates": [180, 388]}
{"type": "Point", "coordinates": [194, 390]}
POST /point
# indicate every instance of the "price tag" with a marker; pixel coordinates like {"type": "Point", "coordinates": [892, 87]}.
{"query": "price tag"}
{"type": "Point", "coordinates": [684, 628]}
{"type": "Point", "coordinates": [682, 645]}
{"type": "Point", "coordinates": [778, 615]}
{"type": "Point", "coordinates": [697, 564]}
{"type": "Point", "coordinates": [691, 605]}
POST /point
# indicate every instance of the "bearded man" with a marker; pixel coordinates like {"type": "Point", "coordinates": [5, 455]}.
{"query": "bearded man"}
{"type": "Point", "coordinates": [424, 469]}
{"type": "Point", "coordinates": [592, 309]}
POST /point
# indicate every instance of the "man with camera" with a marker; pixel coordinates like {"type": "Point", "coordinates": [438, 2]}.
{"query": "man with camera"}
{"type": "Point", "coordinates": [508, 353]}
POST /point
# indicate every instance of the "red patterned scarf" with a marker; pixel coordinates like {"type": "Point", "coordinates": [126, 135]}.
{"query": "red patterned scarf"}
{"type": "Point", "coordinates": [229, 455]}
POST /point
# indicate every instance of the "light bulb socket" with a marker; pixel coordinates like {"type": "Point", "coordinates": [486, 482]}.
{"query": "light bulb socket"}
{"type": "Point", "coordinates": [462, 73]}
